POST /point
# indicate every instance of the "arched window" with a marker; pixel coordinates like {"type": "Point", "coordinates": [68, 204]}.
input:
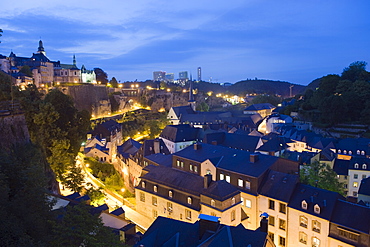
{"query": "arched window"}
{"type": "Point", "coordinates": [304, 204]}
{"type": "Point", "coordinates": [189, 200]}
{"type": "Point", "coordinates": [356, 165]}
{"type": "Point", "coordinates": [316, 209]}
{"type": "Point", "coordinates": [364, 166]}
{"type": "Point", "coordinates": [345, 151]}
{"type": "Point", "coordinates": [339, 151]}
{"type": "Point", "coordinates": [358, 152]}
{"type": "Point", "coordinates": [213, 203]}
{"type": "Point", "coordinates": [362, 152]}
{"type": "Point", "coordinates": [350, 152]}
{"type": "Point", "coordinates": [170, 194]}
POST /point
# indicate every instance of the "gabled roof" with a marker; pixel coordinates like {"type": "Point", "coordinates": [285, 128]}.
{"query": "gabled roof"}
{"type": "Point", "coordinates": [325, 199]}
{"type": "Point", "coordinates": [148, 147]}
{"type": "Point", "coordinates": [360, 161]}
{"type": "Point", "coordinates": [180, 133]}
{"type": "Point", "coordinates": [118, 211]}
{"type": "Point", "coordinates": [40, 57]}
{"type": "Point", "coordinates": [160, 159]}
{"type": "Point", "coordinates": [243, 142]}
{"type": "Point", "coordinates": [274, 145]}
{"type": "Point", "coordinates": [279, 186]}
{"type": "Point", "coordinates": [182, 110]}
{"type": "Point", "coordinates": [259, 107]}
{"type": "Point", "coordinates": [220, 190]}
{"type": "Point", "coordinates": [255, 133]}
{"type": "Point", "coordinates": [341, 166]}
{"type": "Point", "coordinates": [354, 144]}
{"type": "Point", "coordinates": [364, 187]}
{"type": "Point", "coordinates": [129, 147]}
{"type": "Point", "coordinates": [352, 216]}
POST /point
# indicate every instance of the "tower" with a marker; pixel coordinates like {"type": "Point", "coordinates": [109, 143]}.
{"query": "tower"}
{"type": "Point", "coordinates": [199, 71]}
{"type": "Point", "coordinates": [191, 96]}
{"type": "Point", "coordinates": [41, 49]}
{"type": "Point", "coordinates": [74, 60]}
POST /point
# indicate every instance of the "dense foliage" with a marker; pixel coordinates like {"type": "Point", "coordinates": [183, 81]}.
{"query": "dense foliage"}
{"type": "Point", "coordinates": [338, 99]}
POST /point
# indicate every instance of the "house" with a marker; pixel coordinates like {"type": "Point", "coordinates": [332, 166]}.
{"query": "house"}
{"type": "Point", "coordinates": [359, 169]}
{"type": "Point", "coordinates": [364, 192]}
{"type": "Point", "coordinates": [177, 137]}
{"type": "Point", "coordinates": [272, 122]}
{"type": "Point", "coordinates": [207, 231]}
{"type": "Point", "coordinates": [263, 109]}
{"type": "Point", "coordinates": [109, 130]}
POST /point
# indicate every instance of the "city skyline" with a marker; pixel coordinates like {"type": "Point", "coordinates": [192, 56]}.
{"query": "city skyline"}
{"type": "Point", "coordinates": [230, 41]}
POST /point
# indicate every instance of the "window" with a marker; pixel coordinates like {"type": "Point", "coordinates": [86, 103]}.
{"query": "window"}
{"type": "Point", "coordinates": [222, 176]}
{"type": "Point", "coordinates": [195, 168]}
{"type": "Point", "coordinates": [362, 152]}
{"type": "Point", "coordinates": [271, 235]}
{"type": "Point", "coordinates": [355, 184]}
{"type": "Point", "coordinates": [233, 201]}
{"type": "Point", "coordinates": [178, 162]}
{"type": "Point", "coordinates": [272, 204]}
{"type": "Point", "coordinates": [364, 166]}
{"type": "Point", "coordinates": [347, 234]}
{"type": "Point", "coordinates": [355, 176]}
{"type": "Point", "coordinates": [188, 214]}
{"type": "Point", "coordinates": [356, 165]}
{"type": "Point", "coordinates": [189, 200]}
{"type": "Point", "coordinates": [242, 200]}
{"type": "Point", "coordinates": [169, 206]}
{"type": "Point", "coordinates": [304, 204]}
{"type": "Point", "coordinates": [155, 213]}
{"type": "Point", "coordinates": [170, 194]}
{"type": "Point", "coordinates": [233, 215]}
{"type": "Point", "coordinates": [303, 221]}
{"type": "Point", "coordinates": [228, 178]}
{"type": "Point", "coordinates": [363, 176]}
{"type": "Point", "coordinates": [315, 242]}
{"type": "Point", "coordinates": [182, 164]}
{"type": "Point", "coordinates": [282, 224]}
{"type": "Point", "coordinates": [240, 182]}
{"type": "Point", "coordinates": [281, 241]}
{"type": "Point", "coordinates": [282, 208]}
{"type": "Point", "coordinates": [247, 185]}
{"type": "Point", "coordinates": [213, 203]}
{"type": "Point", "coordinates": [248, 203]}
{"type": "Point", "coordinates": [154, 200]}
{"type": "Point", "coordinates": [302, 237]}
{"type": "Point", "coordinates": [271, 220]}
{"type": "Point", "coordinates": [316, 209]}
{"type": "Point", "coordinates": [191, 167]}
{"type": "Point", "coordinates": [142, 197]}
{"type": "Point", "coordinates": [354, 193]}
{"type": "Point", "coordinates": [143, 184]}
{"type": "Point", "coordinates": [155, 188]}
{"type": "Point", "coordinates": [316, 226]}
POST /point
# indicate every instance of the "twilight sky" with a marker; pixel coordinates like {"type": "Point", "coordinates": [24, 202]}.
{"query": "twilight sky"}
{"type": "Point", "coordinates": [287, 40]}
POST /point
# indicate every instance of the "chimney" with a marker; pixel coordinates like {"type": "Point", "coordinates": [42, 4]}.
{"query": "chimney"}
{"type": "Point", "coordinates": [253, 158]}
{"type": "Point", "coordinates": [214, 143]}
{"type": "Point", "coordinates": [207, 223]}
{"type": "Point", "coordinates": [264, 222]}
{"type": "Point", "coordinates": [207, 180]}
{"type": "Point", "coordinates": [197, 146]}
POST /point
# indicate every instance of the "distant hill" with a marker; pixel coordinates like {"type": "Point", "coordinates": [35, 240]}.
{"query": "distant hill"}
{"type": "Point", "coordinates": [252, 86]}
{"type": "Point", "coordinates": [265, 86]}
{"type": "Point", "coordinates": [314, 84]}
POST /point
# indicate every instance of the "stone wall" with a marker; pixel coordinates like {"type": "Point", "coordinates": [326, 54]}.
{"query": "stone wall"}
{"type": "Point", "coordinates": [13, 131]}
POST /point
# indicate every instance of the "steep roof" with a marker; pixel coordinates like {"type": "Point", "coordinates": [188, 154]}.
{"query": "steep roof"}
{"type": "Point", "coordinates": [341, 166]}
{"type": "Point", "coordinates": [180, 133]}
{"type": "Point", "coordinates": [279, 186]}
{"type": "Point", "coordinates": [364, 187]}
{"type": "Point", "coordinates": [243, 142]}
{"type": "Point", "coordinates": [160, 159]}
{"type": "Point", "coordinates": [220, 190]}
{"type": "Point", "coordinates": [258, 107]}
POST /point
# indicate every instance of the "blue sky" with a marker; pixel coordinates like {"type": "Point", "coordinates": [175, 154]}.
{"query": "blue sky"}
{"type": "Point", "coordinates": [295, 41]}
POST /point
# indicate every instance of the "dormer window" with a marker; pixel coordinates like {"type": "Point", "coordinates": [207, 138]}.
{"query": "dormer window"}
{"type": "Point", "coordinates": [155, 188]}
{"type": "Point", "coordinates": [189, 200]}
{"type": "Point", "coordinates": [316, 209]}
{"type": "Point", "coordinates": [350, 152]}
{"type": "Point", "coordinates": [356, 165]}
{"type": "Point", "coordinates": [143, 184]}
{"type": "Point", "coordinates": [362, 152]}
{"type": "Point", "coordinates": [364, 166]}
{"type": "Point", "coordinates": [345, 151]}
{"type": "Point", "coordinates": [170, 194]}
{"type": "Point", "coordinates": [304, 204]}
{"type": "Point", "coordinates": [339, 151]}
{"type": "Point", "coordinates": [213, 203]}
{"type": "Point", "coordinates": [233, 201]}
{"type": "Point", "coordinates": [358, 152]}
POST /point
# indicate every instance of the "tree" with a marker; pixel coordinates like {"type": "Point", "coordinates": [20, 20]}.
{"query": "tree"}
{"type": "Point", "coordinates": [322, 176]}
{"type": "Point", "coordinates": [203, 106]}
{"type": "Point", "coordinates": [356, 71]}
{"type": "Point", "coordinates": [78, 226]}
{"type": "Point", "coordinates": [101, 76]}
{"type": "Point", "coordinates": [114, 82]}
{"type": "Point", "coordinates": [273, 100]}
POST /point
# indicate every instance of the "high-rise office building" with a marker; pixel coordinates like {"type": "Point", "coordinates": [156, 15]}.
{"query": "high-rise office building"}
{"type": "Point", "coordinates": [183, 75]}
{"type": "Point", "coordinates": [159, 76]}
{"type": "Point", "coordinates": [199, 71]}
{"type": "Point", "coordinates": [170, 77]}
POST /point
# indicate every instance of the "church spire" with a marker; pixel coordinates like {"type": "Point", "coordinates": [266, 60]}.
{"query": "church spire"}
{"type": "Point", "coordinates": [74, 60]}
{"type": "Point", "coordinates": [41, 49]}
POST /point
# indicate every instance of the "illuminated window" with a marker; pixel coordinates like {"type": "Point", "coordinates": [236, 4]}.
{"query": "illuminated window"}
{"type": "Point", "coordinates": [242, 200]}
{"type": "Point", "coordinates": [142, 197]}
{"type": "Point", "coordinates": [304, 204]}
{"type": "Point", "coordinates": [170, 194]}
{"type": "Point", "coordinates": [303, 221]}
{"type": "Point", "coordinates": [358, 152]}
{"type": "Point", "coordinates": [178, 162]}
{"type": "Point", "coordinates": [233, 201]}
{"type": "Point", "coordinates": [247, 185]}
{"type": "Point", "coordinates": [316, 226]}
{"type": "Point", "coordinates": [364, 166]}
{"type": "Point", "coordinates": [195, 168]}
{"type": "Point", "coordinates": [222, 176]}
{"type": "Point", "coordinates": [355, 184]}
{"type": "Point", "coordinates": [213, 203]}
{"type": "Point", "coordinates": [143, 184]}
{"type": "Point", "coordinates": [303, 237]}
{"type": "Point", "coordinates": [169, 206]}
{"type": "Point", "coordinates": [240, 182]}
{"type": "Point", "coordinates": [191, 167]}
{"type": "Point", "coordinates": [315, 242]}
{"type": "Point", "coordinates": [228, 178]}
{"type": "Point", "coordinates": [188, 214]}
{"type": "Point", "coordinates": [282, 224]}
{"type": "Point", "coordinates": [155, 188]}
{"type": "Point", "coordinates": [248, 203]}
{"type": "Point", "coordinates": [316, 209]}
{"type": "Point", "coordinates": [189, 200]}
{"type": "Point", "coordinates": [356, 165]}
{"type": "Point", "coordinates": [271, 220]}
{"type": "Point", "coordinates": [155, 213]}
{"type": "Point", "coordinates": [154, 200]}
{"type": "Point", "coordinates": [362, 152]}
